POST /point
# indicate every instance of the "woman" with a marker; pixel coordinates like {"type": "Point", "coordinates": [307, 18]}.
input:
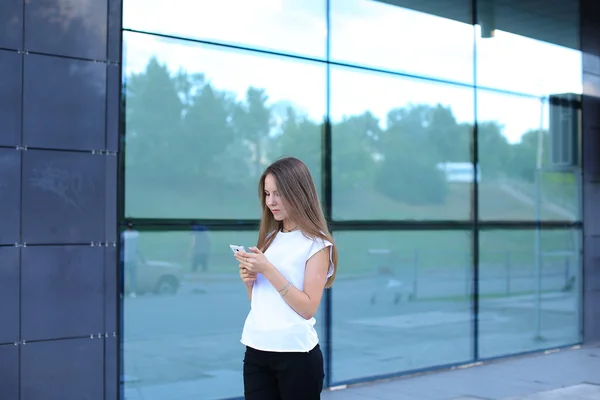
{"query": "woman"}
{"type": "Point", "coordinates": [285, 275]}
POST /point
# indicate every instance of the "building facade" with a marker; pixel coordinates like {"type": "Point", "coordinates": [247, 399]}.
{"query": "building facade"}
{"type": "Point", "coordinates": [455, 145]}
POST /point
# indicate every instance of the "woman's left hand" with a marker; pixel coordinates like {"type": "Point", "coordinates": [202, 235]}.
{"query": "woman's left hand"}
{"type": "Point", "coordinates": [255, 261]}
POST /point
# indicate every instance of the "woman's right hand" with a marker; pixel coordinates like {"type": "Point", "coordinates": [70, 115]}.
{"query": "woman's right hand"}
{"type": "Point", "coordinates": [247, 277]}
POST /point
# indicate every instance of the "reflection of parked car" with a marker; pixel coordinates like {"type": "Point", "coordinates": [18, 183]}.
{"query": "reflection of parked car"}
{"type": "Point", "coordinates": [159, 277]}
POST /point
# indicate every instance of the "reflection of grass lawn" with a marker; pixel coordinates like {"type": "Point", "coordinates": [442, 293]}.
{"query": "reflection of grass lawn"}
{"type": "Point", "coordinates": [431, 249]}
{"type": "Point", "coordinates": [494, 202]}
{"type": "Point", "coordinates": [198, 200]}
{"type": "Point", "coordinates": [190, 200]}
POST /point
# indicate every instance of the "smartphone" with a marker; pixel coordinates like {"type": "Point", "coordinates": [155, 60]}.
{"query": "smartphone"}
{"type": "Point", "coordinates": [236, 248]}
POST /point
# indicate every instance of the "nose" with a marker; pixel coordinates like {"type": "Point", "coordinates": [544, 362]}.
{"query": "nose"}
{"type": "Point", "coordinates": [270, 201]}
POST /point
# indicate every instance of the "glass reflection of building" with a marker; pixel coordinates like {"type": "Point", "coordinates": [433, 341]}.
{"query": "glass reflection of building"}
{"type": "Point", "coordinates": [374, 97]}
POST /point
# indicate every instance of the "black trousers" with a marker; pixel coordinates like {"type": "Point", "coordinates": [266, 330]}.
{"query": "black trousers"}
{"type": "Point", "coordinates": [283, 376]}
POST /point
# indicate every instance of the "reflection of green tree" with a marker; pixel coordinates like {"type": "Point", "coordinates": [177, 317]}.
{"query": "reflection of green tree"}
{"type": "Point", "coordinates": [252, 120]}
{"type": "Point", "coordinates": [301, 137]}
{"type": "Point", "coordinates": [207, 136]}
{"type": "Point", "coordinates": [409, 172]}
{"type": "Point", "coordinates": [197, 143]}
{"type": "Point", "coordinates": [151, 134]}
{"type": "Point", "coordinates": [494, 150]}
{"type": "Point", "coordinates": [354, 151]}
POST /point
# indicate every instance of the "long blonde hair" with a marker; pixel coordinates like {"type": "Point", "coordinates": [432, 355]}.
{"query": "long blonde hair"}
{"type": "Point", "coordinates": [299, 195]}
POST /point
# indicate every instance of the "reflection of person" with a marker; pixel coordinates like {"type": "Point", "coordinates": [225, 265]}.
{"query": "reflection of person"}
{"type": "Point", "coordinates": [130, 258]}
{"type": "Point", "coordinates": [285, 275]}
{"type": "Point", "coordinates": [200, 248]}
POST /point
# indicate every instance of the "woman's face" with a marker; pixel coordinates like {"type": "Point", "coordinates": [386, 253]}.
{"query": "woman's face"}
{"type": "Point", "coordinates": [273, 199]}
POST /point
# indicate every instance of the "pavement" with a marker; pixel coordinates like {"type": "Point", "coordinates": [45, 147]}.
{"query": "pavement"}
{"type": "Point", "coordinates": [567, 374]}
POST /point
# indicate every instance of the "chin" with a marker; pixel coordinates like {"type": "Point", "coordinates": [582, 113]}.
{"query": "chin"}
{"type": "Point", "coordinates": [279, 217]}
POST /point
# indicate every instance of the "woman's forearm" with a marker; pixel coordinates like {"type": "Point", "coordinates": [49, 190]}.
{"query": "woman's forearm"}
{"type": "Point", "coordinates": [296, 298]}
{"type": "Point", "coordinates": [249, 290]}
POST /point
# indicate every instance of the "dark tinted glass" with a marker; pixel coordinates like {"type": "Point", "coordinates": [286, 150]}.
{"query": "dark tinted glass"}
{"type": "Point", "coordinates": [115, 14]}
{"type": "Point", "coordinates": [67, 111]}
{"type": "Point", "coordinates": [63, 197]}
{"type": "Point", "coordinates": [11, 24]}
{"type": "Point", "coordinates": [9, 295]}
{"type": "Point", "coordinates": [111, 372]}
{"type": "Point", "coordinates": [75, 28]}
{"type": "Point", "coordinates": [10, 196]}
{"type": "Point", "coordinates": [9, 371]}
{"type": "Point", "coordinates": [10, 97]}
{"type": "Point", "coordinates": [110, 224]}
{"type": "Point", "coordinates": [111, 291]}
{"type": "Point", "coordinates": [63, 369]}
{"type": "Point", "coordinates": [113, 107]}
{"type": "Point", "coordinates": [62, 291]}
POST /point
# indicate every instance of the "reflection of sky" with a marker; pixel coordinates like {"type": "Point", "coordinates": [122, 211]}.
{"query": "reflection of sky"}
{"type": "Point", "coordinates": [364, 33]}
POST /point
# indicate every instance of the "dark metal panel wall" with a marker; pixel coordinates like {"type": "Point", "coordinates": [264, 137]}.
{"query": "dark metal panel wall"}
{"type": "Point", "coordinates": [590, 44]}
{"type": "Point", "coordinates": [59, 113]}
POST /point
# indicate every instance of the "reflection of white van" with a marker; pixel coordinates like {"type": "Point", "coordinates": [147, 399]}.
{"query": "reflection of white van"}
{"type": "Point", "coordinates": [459, 172]}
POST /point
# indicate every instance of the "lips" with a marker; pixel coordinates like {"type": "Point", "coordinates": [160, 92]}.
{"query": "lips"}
{"type": "Point", "coordinates": [274, 211]}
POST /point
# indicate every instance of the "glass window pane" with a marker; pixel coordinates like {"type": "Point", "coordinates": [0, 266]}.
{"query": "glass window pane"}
{"type": "Point", "coordinates": [529, 47]}
{"type": "Point", "coordinates": [519, 180]}
{"type": "Point", "coordinates": [400, 147]}
{"type": "Point", "coordinates": [184, 325]}
{"type": "Point", "coordinates": [428, 38]}
{"type": "Point", "coordinates": [202, 123]}
{"type": "Point", "coordinates": [288, 26]}
{"type": "Point", "coordinates": [168, 342]}
{"type": "Point", "coordinates": [411, 291]}
{"type": "Point", "coordinates": [528, 299]}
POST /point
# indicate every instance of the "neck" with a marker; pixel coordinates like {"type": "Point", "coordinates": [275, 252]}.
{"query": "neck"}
{"type": "Point", "coordinates": [288, 227]}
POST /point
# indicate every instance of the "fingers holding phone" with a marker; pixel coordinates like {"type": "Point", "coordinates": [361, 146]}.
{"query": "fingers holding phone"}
{"type": "Point", "coordinates": [239, 253]}
{"type": "Point", "coordinates": [247, 277]}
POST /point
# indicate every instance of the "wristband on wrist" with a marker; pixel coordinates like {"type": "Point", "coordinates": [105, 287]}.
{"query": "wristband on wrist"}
{"type": "Point", "coordinates": [283, 291]}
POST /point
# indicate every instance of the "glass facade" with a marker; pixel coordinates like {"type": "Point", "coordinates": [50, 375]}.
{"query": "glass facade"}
{"type": "Point", "coordinates": [443, 138]}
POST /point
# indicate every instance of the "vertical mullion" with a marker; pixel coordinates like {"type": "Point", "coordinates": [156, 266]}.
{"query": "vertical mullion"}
{"type": "Point", "coordinates": [326, 177]}
{"type": "Point", "coordinates": [121, 185]}
{"type": "Point", "coordinates": [475, 202]}
{"type": "Point", "coordinates": [106, 178]}
{"type": "Point", "coordinates": [22, 54]}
